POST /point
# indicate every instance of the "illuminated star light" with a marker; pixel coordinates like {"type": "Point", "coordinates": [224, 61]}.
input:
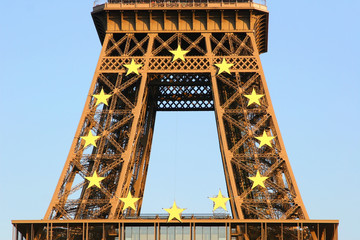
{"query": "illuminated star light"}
{"type": "Point", "coordinates": [132, 67]}
{"type": "Point", "coordinates": [220, 201]}
{"type": "Point", "coordinates": [224, 66]}
{"type": "Point", "coordinates": [258, 180]}
{"type": "Point", "coordinates": [265, 139]}
{"type": "Point", "coordinates": [179, 53]}
{"type": "Point", "coordinates": [90, 139]}
{"type": "Point", "coordinates": [129, 201]}
{"type": "Point", "coordinates": [102, 97]}
{"type": "Point", "coordinates": [174, 212]}
{"type": "Point", "coordinates": [254, 98]}
{"type": "Point", "coordinates": [94, 180]}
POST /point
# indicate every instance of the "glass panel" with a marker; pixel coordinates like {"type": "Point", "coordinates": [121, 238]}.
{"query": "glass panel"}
{"type": "Point", "coordinates": [143, 233]}
{"type": "Point", "coordinates": [186, 233]}
{"type": "Point", "coordinates": [132, 233]}
{"type": "Point", "coordinates": [151, 233]}
{"type": "Point", "coordinates": [210, 233]}
{"type": "Point", "coordinates": [214, 233]}
{"type": "Point", "coordinates": [174, 233]}
{"type": "Point", "coordinates": [163, 233]}
{"type": "Point", "coordinates": [222, 233]}
{"type": "Point", "coordinates": [178, 233]}
{"type": "Point", "coordinates": [135, 233]}
{"type": "Point", "coordinates": [198, 233]}
{"type": "Point", "coordinates": [171, 233]}
{"type": "Point", "coordinates": [128, 233]}
{"type": "Point", "coordinates": [206, 233]}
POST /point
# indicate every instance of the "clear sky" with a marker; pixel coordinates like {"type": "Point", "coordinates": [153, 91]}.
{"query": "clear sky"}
{"type": "Point", "coordinates": [48, 54]}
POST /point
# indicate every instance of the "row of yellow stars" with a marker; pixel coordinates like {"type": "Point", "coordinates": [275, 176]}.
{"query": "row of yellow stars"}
{"type": "Point", "coordinates": [223, 66]}
{"type": "Point", "coordinates": [178, 54]}
{"type": "Point", "coordinates": [253, 98]}
{"type": "Point", "coordinates": [90, 139]}
{"type": "Point", "coordinates": [174, 211]}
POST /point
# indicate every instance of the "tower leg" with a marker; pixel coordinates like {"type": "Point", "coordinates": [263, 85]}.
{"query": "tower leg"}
{"type": "Point", "coordinates": [137, 137]}
{"type": "Point", "coordinates": [124, 129]}
{"type": "Point", "coordinates": [239, 124]}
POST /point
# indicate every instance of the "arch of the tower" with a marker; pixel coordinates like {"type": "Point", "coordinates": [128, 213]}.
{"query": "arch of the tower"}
{"type": "Point", "coordinates": [125, 125]}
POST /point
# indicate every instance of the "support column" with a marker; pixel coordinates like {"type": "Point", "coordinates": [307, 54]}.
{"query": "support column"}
{"type": "Point", "coordinates": [129, 154]}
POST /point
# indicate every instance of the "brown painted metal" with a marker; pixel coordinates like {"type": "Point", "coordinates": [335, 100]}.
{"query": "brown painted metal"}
{"type": "Point", "coordinates": [210, 31]}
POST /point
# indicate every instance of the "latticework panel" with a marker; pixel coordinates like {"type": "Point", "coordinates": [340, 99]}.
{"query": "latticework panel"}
{"type": "Point", "coordinates": [125, 118]}
{"type": "Point", "coordinates": [242, 123]}
{"type": "Point", "coordinates": [112, 124]}
{"type": "Point", "coordinates": [165, 64]}
{"type": "Point", "coordinates": [182, 92]}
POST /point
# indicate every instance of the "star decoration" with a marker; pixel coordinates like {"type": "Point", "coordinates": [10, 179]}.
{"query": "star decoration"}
{"type": "Point", "coordinates": [102, 97]}
{"type": "Point", "coordinates": [90, 139]}
{"type": "Point", "coordinates": [265, 139]}
{"type": "Point", "coordinates": [94, 180]}
{"type": "Point", "coordinates": [132, 67]}
{"type": "Point", "coordinates": [129, 201]}
{"type": "Point", "coordinates": [224, 66]}
{"type": "Point", "coordinates": [258, 180]}
{"type": "Point", "coordinates": [254, 98]}
{"type": "Point", "coordinates": [179, 53]}
{"type": "Point", "coordinates": [220, 201]}
{"type": "Point", "coordinates": [174, 212]}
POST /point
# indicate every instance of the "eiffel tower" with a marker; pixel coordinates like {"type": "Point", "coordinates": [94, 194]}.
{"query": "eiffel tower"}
{"type": "Point", "coordinates": [177, 56]}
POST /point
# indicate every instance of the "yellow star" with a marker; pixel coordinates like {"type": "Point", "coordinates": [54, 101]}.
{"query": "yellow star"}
{"type": "Point", "coordinates": [179, 53]}
{"type": "Point", "coordinates": [132, 67]}
{"type": "Point", "coordinates": [254, 98]}
{"type": "Point", "coordinates": [224, 66]}
{"type": "Point", "coordinates": [265, 139]}
{"type": "Point", "coordinates": [129, 201]}
{"type": "Point", "coordinates": [90, 139]}
{"type": "Point", "coordinates": [258, 180]}
{"type": "Point", "coordinates": [220, 201]}
{"type": "Point", "coordinates": [174, 212]}
{"type": "Point", "coordinates": [102, 97]}
{"type": "Point", "coordinates": [94, 180]}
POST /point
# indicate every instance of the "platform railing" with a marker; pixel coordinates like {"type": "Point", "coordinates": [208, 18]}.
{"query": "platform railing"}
{"type": "Point", "coordinates": [178, 3]}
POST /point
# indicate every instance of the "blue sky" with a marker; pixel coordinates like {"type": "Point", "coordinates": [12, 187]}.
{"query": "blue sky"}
{"type": "Point", "coordinates": [48, 54]}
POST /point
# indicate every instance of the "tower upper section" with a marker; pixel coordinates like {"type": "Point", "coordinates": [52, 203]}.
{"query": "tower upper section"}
{"type": "Point", "coordinates": [162, 16]}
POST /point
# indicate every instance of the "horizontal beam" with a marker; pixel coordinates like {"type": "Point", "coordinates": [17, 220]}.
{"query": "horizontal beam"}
{"type": "Point", "coordinates": [179, 5]}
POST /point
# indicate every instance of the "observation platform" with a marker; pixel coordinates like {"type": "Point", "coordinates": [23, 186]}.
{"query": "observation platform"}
{"type": "Point", "coordinates": [191, 228]}
{"type": "Point", "coordinates": [185, 16]}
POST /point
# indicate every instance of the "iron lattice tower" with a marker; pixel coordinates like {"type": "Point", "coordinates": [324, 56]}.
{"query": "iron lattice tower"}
{"type": "Point", "coordinates": [146, 32]}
